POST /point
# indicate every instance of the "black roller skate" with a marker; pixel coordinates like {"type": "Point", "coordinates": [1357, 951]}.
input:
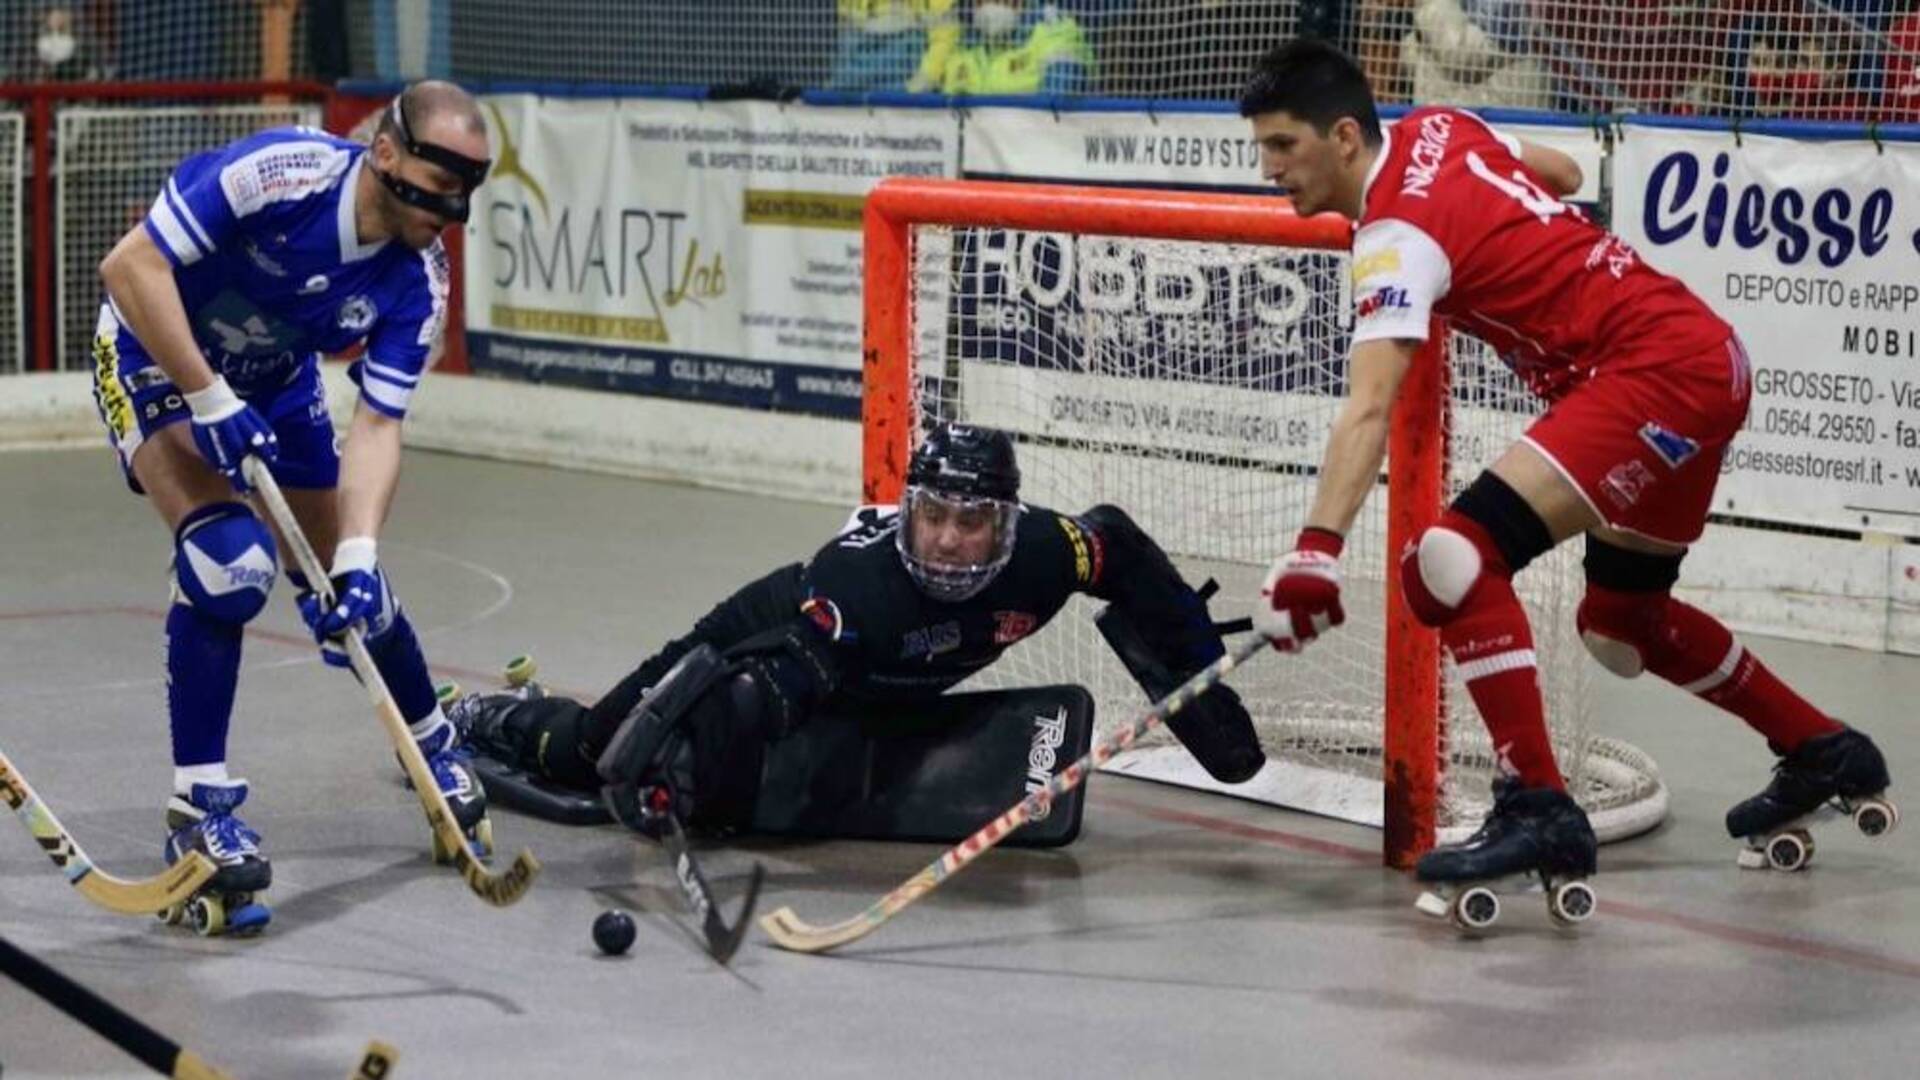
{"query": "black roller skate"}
{"type": "Point", "coordinates": [1829, 776]}
{"type": "Point", "coordinates": [203, 820]}
{"type": "Point", "coordinates": [1533, 839]}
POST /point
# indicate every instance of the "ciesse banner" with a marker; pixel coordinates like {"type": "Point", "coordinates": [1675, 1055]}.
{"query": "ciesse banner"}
{"type": "Point", "coordinates": [686, 249]}
{"type": "Point", "coordinates": [1809, 250]}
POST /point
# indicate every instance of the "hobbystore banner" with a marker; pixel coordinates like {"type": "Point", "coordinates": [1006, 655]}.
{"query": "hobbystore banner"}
{"type": "Point", "coordinates": [705, 250]}
{"type": "Point", "coordinates": [1811, 252]}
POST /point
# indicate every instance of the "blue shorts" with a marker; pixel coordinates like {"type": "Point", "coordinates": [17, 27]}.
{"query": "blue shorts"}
{"type": "Point", "coordinates": [135, 399]}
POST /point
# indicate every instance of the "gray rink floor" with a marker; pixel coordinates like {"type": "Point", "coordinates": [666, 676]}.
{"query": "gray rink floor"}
{"type": "Point", "coordinates": [1183, 935]}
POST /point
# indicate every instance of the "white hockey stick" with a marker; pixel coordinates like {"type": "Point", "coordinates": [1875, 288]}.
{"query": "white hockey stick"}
{"type": "Point", "coordinates": [497, 889]}
{"type": "Point", "coordinates": [147, 896]}
{"type": "Point", "coordinates": [790, 931]}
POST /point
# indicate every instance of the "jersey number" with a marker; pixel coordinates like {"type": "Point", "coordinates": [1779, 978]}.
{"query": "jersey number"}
{"type": "Point", "coordinates": [1518, 186]}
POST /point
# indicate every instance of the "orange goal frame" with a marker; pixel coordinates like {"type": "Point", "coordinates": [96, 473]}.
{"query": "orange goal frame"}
{"type": "Point", "coordinates": [1416, 449]}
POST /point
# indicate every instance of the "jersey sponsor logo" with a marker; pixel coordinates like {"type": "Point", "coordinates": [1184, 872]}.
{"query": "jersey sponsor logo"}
{"type": "Point", "coordinates": [243, 336]}
{"type": "Point", "coordinates": [1011, 626]}
{"type": "Point", "coordinates": [1673, 447]}
{"type": "Point", "coordinates": [1043, 753]}
{"type": "Point", "coordinates": [825, 614]}
{"type": "Point", "coordinates": [1387, 298]}
{"type": "Point", "coordinates": [1088, 555]}
{"type": "Point", "coordinates": [357, 314]}
{"type": "Point", "coordinates": [316, 284]}
{"type": "Point", "coordinates": [1624, 483]}
{"type": "Point", "coordinates": [930, 641]}
{"type": "Point", "coordinates": [1613, 253]}
{"type": "Point", "coordinates": [261, 259]}
{"type": "Point", "coordinates": [1423, 161]}
{"type": "Point", "coordinates": [1375, 264]}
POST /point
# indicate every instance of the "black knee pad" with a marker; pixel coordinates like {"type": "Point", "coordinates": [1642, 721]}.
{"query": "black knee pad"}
{"type": "Point", "coordinates": [1515, 529]}
{"type": "Point", "coordinates": [1625, 570]}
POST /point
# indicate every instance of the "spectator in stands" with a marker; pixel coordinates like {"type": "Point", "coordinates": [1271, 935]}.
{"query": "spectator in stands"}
{"type": "Point", "coordinates": [1013, 47]}
{"type": "Point", "coordinates": [1474, 53]}
{"type": "Point", "coordinates": [893, 44]}
{"type": "Point", "coordinates": [62, 51]}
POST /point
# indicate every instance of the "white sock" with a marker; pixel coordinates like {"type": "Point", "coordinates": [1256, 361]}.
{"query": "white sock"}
{"type": "Point", "coordinates": [185, 776]}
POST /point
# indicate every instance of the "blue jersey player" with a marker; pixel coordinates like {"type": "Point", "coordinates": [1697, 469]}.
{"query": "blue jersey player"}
{"type": "Point", "coordinates": [255, 259]}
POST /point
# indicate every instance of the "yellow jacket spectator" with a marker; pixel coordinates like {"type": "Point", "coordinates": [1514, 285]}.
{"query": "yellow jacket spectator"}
{"type": "Point", "coordinates": [893, 44]}
{"type": "Point", "coordinates": [1019, 49]}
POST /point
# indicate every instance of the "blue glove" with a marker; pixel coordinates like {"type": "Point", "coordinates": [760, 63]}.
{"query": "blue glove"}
{"type": "Point", "coordinates": [227, 429]}
{"type": "Point", "coordinates": [359, 592]}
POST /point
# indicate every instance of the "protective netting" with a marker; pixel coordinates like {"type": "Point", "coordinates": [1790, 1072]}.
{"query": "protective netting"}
{"type": "Point", "coordinates": [13, 242]}
{"type": "Point", "coordinates": [1818, 59]}
{"type": "Point", "coordinates": [110, 166]}
{"type": "Point", "coordinates": [1193, 384]}
{"type": "Point", "coordinates": [150, 40]}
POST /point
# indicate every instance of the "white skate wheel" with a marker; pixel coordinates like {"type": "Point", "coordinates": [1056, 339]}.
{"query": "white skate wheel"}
{"type": "Point", "coordinates": [1790, 851]}
{"type": "Point", "coordinates": [1875, 817]}
{"type": "Point", "coordinates": [208, 915]}
{"type": "Point", "coordinates": [482, 837]}
{"type": "Point", "coordinates": [1475, 909]}
{"type": "Point", "coordinates": [1431, 904]}
{"type": "Point", "coordinates": [1571, 903]}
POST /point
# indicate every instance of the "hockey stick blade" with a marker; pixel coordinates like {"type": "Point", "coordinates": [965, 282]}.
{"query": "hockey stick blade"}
{"type": "Point", "coordinates": [147, 896]}
{"type": "Point", "coordinates": [722, 940]}
{"type": "Point", "coordinates": [498, 889]}
{"type": "Point", "coordinates": [789, 931]}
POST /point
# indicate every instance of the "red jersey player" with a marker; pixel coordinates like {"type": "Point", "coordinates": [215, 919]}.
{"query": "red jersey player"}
{"type": "Point", "coordinates": [1646, 386]}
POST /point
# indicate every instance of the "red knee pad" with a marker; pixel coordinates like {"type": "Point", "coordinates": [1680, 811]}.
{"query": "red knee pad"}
{"type": "Point", "coordinates": [1440, 572]}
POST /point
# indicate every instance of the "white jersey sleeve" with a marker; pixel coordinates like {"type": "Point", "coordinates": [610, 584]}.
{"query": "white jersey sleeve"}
{"type": "Point", "coordinates": [211, 197]}
{"type": "Point", "coordinates": [1399, 273]}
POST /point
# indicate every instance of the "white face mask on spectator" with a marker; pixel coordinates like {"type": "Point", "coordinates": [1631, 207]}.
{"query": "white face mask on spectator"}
{"type": "Point", "coordinates": [993, 19]}
{"type": "Point", "coordinates": [55, 47]}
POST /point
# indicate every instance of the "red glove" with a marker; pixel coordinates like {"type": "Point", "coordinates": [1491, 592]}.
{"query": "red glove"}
{"type": "Point", "coordinates": [1302, 592]}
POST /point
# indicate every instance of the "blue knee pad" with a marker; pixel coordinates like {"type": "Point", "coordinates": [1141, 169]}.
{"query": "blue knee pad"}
{"type": "Point", "coordinates": [224, 562]}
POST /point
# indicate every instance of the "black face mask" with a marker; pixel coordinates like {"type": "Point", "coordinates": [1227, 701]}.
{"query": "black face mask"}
{"type": "Point", "coordinates": [469, 171]}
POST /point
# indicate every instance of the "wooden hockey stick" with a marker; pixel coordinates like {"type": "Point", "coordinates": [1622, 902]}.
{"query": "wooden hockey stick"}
{"type": "Point", "coordinates": [499, 889]}
{"type": "Point", "coordinates": [149, 1047]}
{"type": "Point", "coordinates": [789, 931]}
{"type": "Point", "coordinates": [147, 896]}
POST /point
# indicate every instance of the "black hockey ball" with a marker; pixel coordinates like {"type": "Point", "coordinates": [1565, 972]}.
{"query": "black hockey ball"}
{"type": "Point", "coordinates": [613, 931]}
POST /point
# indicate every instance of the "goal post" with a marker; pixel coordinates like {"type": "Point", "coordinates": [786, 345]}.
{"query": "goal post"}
{"type": "Point", "coordinates": [1182, 355]}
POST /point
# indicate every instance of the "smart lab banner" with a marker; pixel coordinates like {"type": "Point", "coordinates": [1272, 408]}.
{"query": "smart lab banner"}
{"type": "Point", "coordinates": [1812, 252]}
{"type": "Point", "coordinates": [704, 250]}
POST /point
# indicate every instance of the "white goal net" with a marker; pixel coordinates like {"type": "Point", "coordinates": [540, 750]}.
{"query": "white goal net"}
{"type": "Point", "coordinates": [1192, 384]}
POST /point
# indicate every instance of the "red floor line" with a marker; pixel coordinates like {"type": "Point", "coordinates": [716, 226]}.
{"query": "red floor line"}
{"type": "Point", "coordinates": [1804, 948]}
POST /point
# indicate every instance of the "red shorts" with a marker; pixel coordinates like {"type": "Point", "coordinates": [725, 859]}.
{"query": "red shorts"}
{"type": "Point", "coordinates": [1644, 444]}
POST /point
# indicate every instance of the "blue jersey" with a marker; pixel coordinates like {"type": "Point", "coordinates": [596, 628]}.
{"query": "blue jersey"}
{"type": "Point", "coordinates": [272, 273]}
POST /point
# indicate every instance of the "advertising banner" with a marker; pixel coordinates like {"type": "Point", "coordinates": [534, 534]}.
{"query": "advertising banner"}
{"type": "Point", "coordinates": [1812, 252]}
{"type": "Point", "coordinates": [704, 250]}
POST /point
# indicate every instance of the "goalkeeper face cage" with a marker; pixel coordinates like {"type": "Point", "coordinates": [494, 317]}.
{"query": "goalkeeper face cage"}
{"type": "Point", "coordinates": [955, 545]}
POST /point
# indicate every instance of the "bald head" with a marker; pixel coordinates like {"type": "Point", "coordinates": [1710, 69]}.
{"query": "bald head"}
{"type": "Point", "coordinates": [443, 114]}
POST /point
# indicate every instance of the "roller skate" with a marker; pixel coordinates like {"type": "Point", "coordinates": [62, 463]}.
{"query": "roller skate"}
{"type": "Point", "coordinates": [1834, 775]}
{"type": "Point", "coordinates": [203, 820]}
{"type": "Point", "coordinates": [1534, 839]}
{"type": "Point", "coordinates": [481, 718]}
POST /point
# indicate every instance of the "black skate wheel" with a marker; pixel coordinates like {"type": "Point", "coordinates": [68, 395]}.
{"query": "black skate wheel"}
{"type": "Point", "coordinates": [613, 932]}
{"type": "Point", "coordinates": [1875, 818]}
{"type": "Point", "coordinates": [1571, 903]}
{"type": "Point", "coordinates": [1790, 851]}
{"type": "Point", "coordinates": [208, 915]}
{"type": "Point", "coordinates": [1475, 909]}
{"type": "Point", "coordinates": [520, 671]}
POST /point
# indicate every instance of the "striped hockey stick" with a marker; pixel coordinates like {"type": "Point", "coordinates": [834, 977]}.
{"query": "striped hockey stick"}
{"type": "Point", "coordinates": [147, 896]}
{"type": "Point", "coordinates": [499, 889]}
{"type": "Point", "coordinates": [790, 931]}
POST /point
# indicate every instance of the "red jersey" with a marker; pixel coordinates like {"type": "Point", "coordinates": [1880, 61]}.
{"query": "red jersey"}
{"type": "Point", "coordinates": [1454, 225]}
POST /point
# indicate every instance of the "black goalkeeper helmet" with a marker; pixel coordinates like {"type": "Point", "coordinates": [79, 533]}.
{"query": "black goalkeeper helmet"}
{"type": "Point", "coordinates": [960, 511]}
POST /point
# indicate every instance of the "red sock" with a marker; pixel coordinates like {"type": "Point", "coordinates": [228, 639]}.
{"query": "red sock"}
{"type": "Point", "coordinates": [1492, 646]}
{"type": "Point", "coordinates": [1701, 656]}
